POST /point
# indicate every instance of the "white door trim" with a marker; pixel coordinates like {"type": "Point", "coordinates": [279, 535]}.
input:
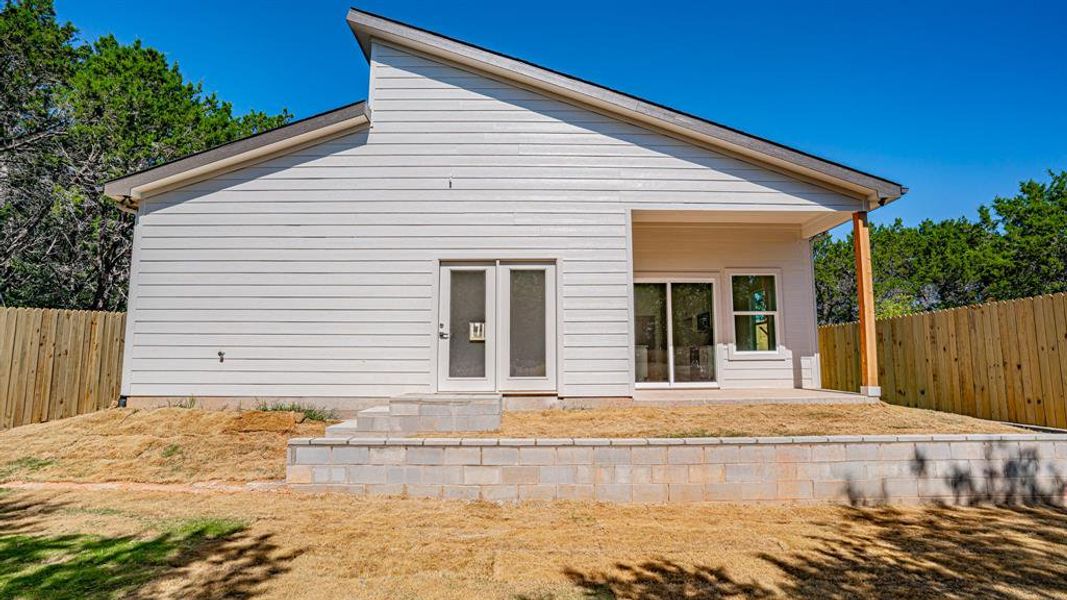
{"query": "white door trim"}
{"type": "Point", "coordinates": [507, 383]}
{"type": "Point", "coordinates": [445, 383]}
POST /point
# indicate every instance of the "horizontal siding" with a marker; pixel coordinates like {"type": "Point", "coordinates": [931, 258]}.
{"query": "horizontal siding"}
{"type": "Point", "coordinates": [167, 283]}
{"type": "Point", "coordinates": [285, 352]}
{"type": "Point", "coordinates": [315, 271]}
{"type": "Point", "coordinates": [390, 328]}
{"type": "Point", "coordinates": [260, 365]}
{"type": "Point", "coordinates": [237, 267]}
{"type": "Point", "coordinates": [381, 389]}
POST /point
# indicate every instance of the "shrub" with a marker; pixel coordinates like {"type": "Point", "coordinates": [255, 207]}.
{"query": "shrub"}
{"type": "Point", "coordinates": [311, 412]}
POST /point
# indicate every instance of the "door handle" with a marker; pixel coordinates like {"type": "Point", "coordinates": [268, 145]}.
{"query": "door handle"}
{"type": "Point", "coordinates": [443, 335]}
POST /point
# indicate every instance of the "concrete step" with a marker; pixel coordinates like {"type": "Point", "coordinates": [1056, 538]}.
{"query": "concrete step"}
{"type": "Point", "coordinates": [344, 429]}
{"type": "Point", "coordinates": [408, 414]}
{"type": "Point", "coordinates": [375, 418]}
{"type": "Point", "coordinates": [369, 420]}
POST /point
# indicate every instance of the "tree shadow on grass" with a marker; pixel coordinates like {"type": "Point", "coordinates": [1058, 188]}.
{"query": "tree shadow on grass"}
{"type": "Point", "coordinates": [937, 552]}
{"type": "Point", "coordinates": [197, 558]}
{"type": "Point", "coordinates": [931, 552]}
{"type": "Point", "coordinates": [1005, 537]}
{"type": "Point", "coordinates": [663, 580]}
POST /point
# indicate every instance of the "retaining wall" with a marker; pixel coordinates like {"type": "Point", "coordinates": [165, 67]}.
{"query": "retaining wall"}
{"type": "Point", "coordinates": [853, 469]}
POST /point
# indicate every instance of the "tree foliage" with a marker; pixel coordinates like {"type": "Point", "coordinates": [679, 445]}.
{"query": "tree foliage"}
{"type": "Point", "coordinates": [1015, 248]}
{"type": "Point", "coordinates": [73, 116]}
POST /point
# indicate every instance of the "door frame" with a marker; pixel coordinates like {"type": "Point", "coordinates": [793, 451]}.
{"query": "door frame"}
{"type": "Point", "coordinates": [716, 319]}
{"type": "Point", "coordinates": [505, 382]}
{"type": "Point", "coordinates": [497, 327]}
{"type": "Point", "coordinates": [445, 383]}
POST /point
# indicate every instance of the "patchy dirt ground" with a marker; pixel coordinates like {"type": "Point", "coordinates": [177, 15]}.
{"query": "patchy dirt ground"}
{"type": "Point", "coordinates": [283, 545]}
{"type": "Point", "coordinates": [740, 421]}
{"type": "Point", "coordinates": [157, 446]}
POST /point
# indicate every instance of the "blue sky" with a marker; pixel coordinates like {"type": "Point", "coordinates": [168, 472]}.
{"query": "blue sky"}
{"type": "Point", "coordinates": [958, 101]}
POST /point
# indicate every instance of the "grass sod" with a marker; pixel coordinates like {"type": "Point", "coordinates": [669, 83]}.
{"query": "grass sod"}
{"type": "Point", "coordinates": [79, 565]}
{"type": "Point", "coordinates": [26, 464]}
{"type": "Point", "coordinates": [310, 412]}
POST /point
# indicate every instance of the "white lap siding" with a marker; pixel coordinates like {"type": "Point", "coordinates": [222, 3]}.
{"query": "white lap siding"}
{"type": "Point", "coordinates": [315, 272]}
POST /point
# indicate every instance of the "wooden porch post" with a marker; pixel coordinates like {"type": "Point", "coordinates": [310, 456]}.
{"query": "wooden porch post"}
{"type": "Point", "coordinates": [865, 291]}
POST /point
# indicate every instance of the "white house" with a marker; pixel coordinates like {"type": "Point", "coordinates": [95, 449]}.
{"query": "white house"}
{"type": "Point", "coordinates": [482, 224]}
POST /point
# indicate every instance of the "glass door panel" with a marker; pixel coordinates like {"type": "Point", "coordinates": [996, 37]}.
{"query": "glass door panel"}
{"type": "Point", "coordinates": [528, 343]}
{"type": "Point", "coordinates": [650, 337]}
{"type": "Point", "coordinates": [693, 332]}
{"type": "Point", "coordinates": [466, 349]}
{"type": "Point", "coordinates": [527, 361]}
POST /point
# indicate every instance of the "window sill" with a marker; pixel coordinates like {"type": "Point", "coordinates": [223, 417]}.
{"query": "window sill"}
{"type": "Point", "coordinates": [734, 354]}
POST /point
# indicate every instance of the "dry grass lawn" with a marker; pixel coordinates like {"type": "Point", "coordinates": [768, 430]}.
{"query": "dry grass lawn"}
{"type": "Point", "coordinates": [159, 446]}
{"type": "Point", "coordinates": [138, 541]}
{"type": "Point", "coordinates": [741, 420]}
{"type": "Point", "coordinates": [179, 445]}
{"type": "Point", "coordinates": [283, 545]}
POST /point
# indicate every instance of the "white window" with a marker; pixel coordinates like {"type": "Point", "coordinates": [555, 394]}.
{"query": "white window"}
{"type": "Point", "coordinates": [755, 312]}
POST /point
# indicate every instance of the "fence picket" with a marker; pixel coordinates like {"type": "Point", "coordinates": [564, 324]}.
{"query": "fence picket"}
{"type": "Point", "coordinates": [57, 363]}
{"type": "Point", "coordinates": [1003, 360]}
{"type": "Point", "coordinates": [1050, 363]}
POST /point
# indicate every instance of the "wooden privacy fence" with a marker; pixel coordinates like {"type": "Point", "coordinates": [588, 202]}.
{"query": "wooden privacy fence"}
{"type": "Point", "coordinates": [1004, 360]}
{"type": "Point", "coordinates": [58, 363]}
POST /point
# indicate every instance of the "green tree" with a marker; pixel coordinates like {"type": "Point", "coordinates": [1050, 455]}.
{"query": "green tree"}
{"type": "Point", "coordinates": [835, 279]}
{"type": "Point", "coordinates": [113, 109]}
{"type": "Point", "coordinates": [1033, 243]}
{"type": "Point", "coordinates": [892, 259]}
{"type": "Point", "coordinates": [37, 59]}
{"type": "Point", "coordinates": [956, 261]}
{"type": "Point", "coordinates": [1015, 248]}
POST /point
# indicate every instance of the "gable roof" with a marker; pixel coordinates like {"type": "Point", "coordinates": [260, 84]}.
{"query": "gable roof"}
{"type": "Point", "coordinates": [129, 189]}
{"type": "Point", "coordinates": [368, 26]}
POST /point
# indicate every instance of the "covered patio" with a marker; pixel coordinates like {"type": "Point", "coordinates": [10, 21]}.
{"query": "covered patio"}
{"type": "Point", "coordinates": [724, 305]}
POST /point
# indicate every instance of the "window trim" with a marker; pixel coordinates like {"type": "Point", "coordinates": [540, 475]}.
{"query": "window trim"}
{"type": "Point", "coordinates": [667, 279]}
{"type": "Point", "coordinates": [780, 352]}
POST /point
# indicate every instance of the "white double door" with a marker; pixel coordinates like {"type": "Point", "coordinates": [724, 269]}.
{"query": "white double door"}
{"type": "Point", "coordinates": [497, 327]}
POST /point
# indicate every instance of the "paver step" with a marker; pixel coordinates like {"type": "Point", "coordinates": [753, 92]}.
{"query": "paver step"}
{"type": "Point", "coordinates": [424, 412]}
{"type": "Point", "coordinates": [375, 418]}
{"type": "Point", "coordinates": [369, 420]}
{"type": "Point", "coordinates": [343, 429]}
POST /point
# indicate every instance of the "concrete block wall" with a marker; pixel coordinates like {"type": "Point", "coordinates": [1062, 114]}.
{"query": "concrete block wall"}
{"type": "Point", "coordinates": [854, 469]}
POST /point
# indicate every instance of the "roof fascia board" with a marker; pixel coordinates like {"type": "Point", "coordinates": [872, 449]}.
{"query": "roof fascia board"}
{"type": "Point", "coordinates": [249, 158]}
{"type": "Point", "coordinates": [130, 190]}
{"type": "Point", "coordinates": [368, 27]}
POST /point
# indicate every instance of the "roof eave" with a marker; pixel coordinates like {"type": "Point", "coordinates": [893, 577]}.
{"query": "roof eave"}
{"type": "Point", "coordinates": [130, 189]}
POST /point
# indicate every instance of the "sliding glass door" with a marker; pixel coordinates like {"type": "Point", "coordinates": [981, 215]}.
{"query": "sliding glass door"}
{"type": "Point", "coordinates": [674, 338]}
